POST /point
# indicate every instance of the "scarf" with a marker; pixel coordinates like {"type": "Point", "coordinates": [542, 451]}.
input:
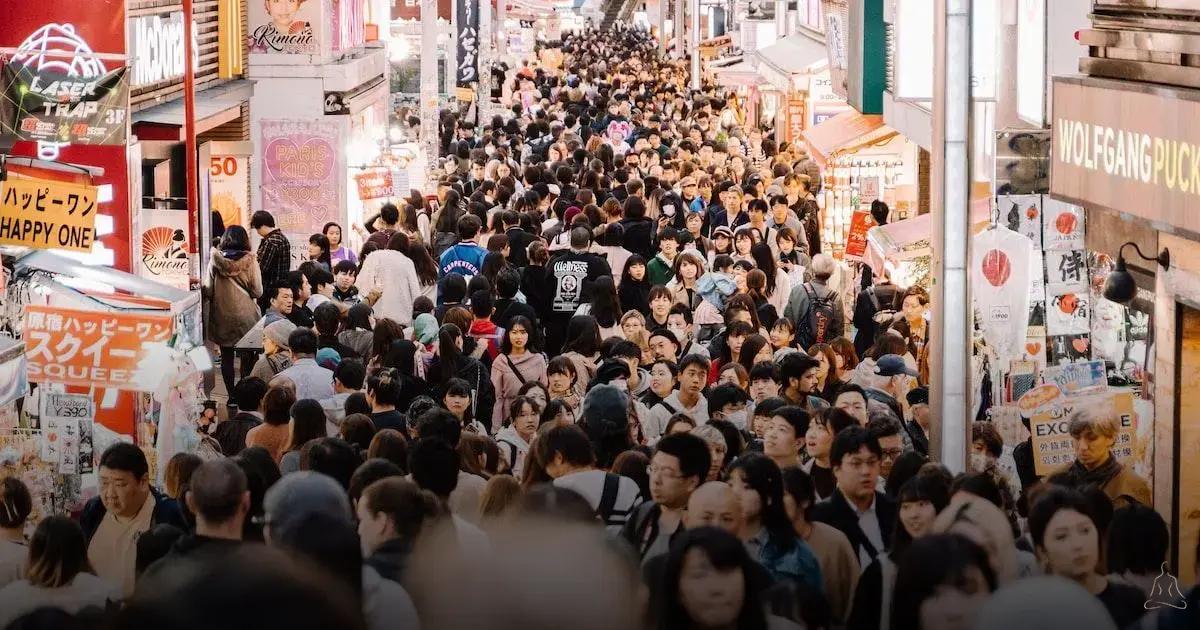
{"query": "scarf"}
{"type": "Point", "coordinates": [1099, 476]}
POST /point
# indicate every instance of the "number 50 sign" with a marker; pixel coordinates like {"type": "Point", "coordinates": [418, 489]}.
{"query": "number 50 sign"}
{"type": "Point", "coordinates": [229, 188]}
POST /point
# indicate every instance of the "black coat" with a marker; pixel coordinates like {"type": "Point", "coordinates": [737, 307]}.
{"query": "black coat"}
{"type": "Point", "coordinates": [639, 236]}
{"type": "Point", "coordinates": [635, 296]}
{"type": "Point", "coordinates": [838, 512]}
{"type": "Point", "coordinates": [518, 243]}
{"type": "Point", "coordinates": [508, 308]}
{"type": "Point", "coordinates": [536, 288]}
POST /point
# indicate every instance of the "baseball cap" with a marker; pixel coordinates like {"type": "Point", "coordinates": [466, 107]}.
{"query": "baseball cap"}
{"type": "Point", "coordinates": [722, 230]}
{"type": "Point", "coordinates": [893, 365]}
{"type": "Point", "coordinates": [328, 358]}
{"type": "Point", "coordinates": [301, 495]}
{"type": "Point", "coordinates": [605, 408]}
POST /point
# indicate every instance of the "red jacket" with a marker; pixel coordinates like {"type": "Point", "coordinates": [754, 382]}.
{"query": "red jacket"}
{"type": "Point", "coordinates": [485, 330]}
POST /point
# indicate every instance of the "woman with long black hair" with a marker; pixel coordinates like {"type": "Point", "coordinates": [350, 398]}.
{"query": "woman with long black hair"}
{"type": "Point", "coordinates": [318, 251]}
{"type": "Point", "coordinates": [634, 288]}
{"type": "Point", "coordinates": [605, 307]}
{"type": "Point", "coordinates": [710, 581]}
{"type": "Point", "coordinates": [427, 269]}
{"type": "Point", "coordinates": [519, 364]}
{"type": "Point", "coordinates": [582, 347]}
{"type": "Point", "coordinates": [451, 362]}
{"type": "Point", "coordinates": [779, 284]}
{"type": "Point", "coordinates": [766, 530]}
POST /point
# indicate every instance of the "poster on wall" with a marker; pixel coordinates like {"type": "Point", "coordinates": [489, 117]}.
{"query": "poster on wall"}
{"type": "Point", "coordinates": [164, 247]}
{"type": "Point", "coordinates": [1121, 333]}
{"type": "Point", "coordinates": [1062, 225]}
{"type": "Point", "coordinates": [467, 17]}
{"type": "Point", "coordinates": [47, 214]}
{"type": "Point", "coordinates": [1068, 314]}
{"type": "Point", "coordinates": [1066, 271]}
{"type": "Point", "coordinates": [49, 105]}
{"type": "Point", "coordinates": [1022, 214]}
{"type": "Point", "coordinates": [1069, 348]}
{"type": "Point", "coordinates": [284, 27]}
{"type": "Point", "coordinates": [837, 31]}
{"type": "Point", "coordinates": [229, 188]}
{"type": "Point", "coordinates": [1001, 268]}
{"type": "Point", "coordinates": [348, 24]}
{"type": "Point", "coordinates": [300, 167]}
{"type": "Point", "coordinates": [856, 238]}
{"type": "Point", "coordinates": [1052, 442]}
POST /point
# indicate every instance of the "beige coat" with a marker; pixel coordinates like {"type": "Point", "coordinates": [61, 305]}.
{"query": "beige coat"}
{"type": "Point", "coordinates": [236, 284]}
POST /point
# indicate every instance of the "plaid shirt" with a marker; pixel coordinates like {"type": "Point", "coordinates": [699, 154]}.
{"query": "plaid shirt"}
{"type": "Point", "coordinates": [274, 258]}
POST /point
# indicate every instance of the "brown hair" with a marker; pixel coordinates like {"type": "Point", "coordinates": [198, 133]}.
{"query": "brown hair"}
{"type": "Point", "coordinates": [179, 472]}
{"type": "Point", "coordinates": [408, 506]}
{"type": "Point", "coordinates": [473, 447]}
{"type": "Point", "coordinates": [501, 493]}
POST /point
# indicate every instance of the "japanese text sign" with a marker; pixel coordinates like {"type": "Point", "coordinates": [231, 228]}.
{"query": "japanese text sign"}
{"type": "Point", "coordinates": [301, 166]}
{"type": "Point", "coordinates": [45, 214]}
{"type": "Point", "coordinates": [374, 183]}
{"type": "Point", "coordinates": [468, 43]}
{"type": "Point", "coordinates": [89, 347]}
{"type": "Point", "coordinates": [856, 238]}
{"type": "Point", "coordinates": [1053, 447]}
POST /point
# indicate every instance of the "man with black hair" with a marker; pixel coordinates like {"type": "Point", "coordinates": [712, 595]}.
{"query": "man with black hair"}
{"type": "Point", "coordinates": [464, 495]}
{"type": "Point", "coordinates": [886, 430]}
{"type": "Point", "coordinates": [280, 301]}
{"type": "Point", "coordinates": [571, 463]}
{"type": "Point", "coordinates": [679, 322]}
{"type": "Point", "coordinates": [452, 290]}
{"type": "Point", "coordinates": [571, 276]}
{"type": "Point", "coordinates": [466, 256]}
{"type": "Point", "coordinates": [856, 508]}
{"type": "Point", "coordinates": [661, 269]}
{"type": "Point", "coordinates": [630, 354]}
{"type": "Point", "coordinates": [274, 250]}
{"type": "Point", "coordinates": [798, 377]}
{"type": "Point", "coordinates": [693, 375]}
{"type": "Point", "coordinates": [344, 291]}
{"type": "Point", "coordinates": [508, 284]}
{"type": "Point", "coordinates": [518, 239]}
{"type": "Point", "coordinates": [320, 283]}
{"type": "Point", "coordinates": [764, 381]}
{"type": "Point", "coordinates": [348, 379]}
{"type": "Point", "coordinates": [126, 507]}
{"type": "Point", "coordinates": [385, 225]}
{"type": "Point", "coordinates": [680, 465]}
{"type": "Point", "coordinates": [301, 315]}
{"type": "Point", "coordinates": [785, 435]}
{"type": "Point", "coordinates": [852, 399]}
{"type": "Point", "coordinates": [311, 380]}
{"type": "Point", "coordinates": [328, 318]}
{"type": "Point", "coordinates": [482, 327]}
{"type": "Point", "coordinates": [728, 402]}
{"type": "Point", "coordinates": [246, 396]}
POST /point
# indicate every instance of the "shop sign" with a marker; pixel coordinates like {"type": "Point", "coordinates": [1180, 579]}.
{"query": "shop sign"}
{"type": "Point", "coordinates": [797, 114]}
{"type": "Point", "coordinates": [1077, 378]}
{"type": "Point", "coordinates": [66, 423]}
{"type": "Point", "coordinates": [468, 42]}
{"type": "Point", "coordinates": [164, 247]}
{"type": "Point", "coordinates": [47, 214]}
{"type": "Point", "coordinates": [229, 187]}
{"type": "Point", "coordinates": [48, 104]}
{"type": "Point", "coordinates": [855, 37]}
{"type": "Point", "coordinates": [284, 28]}
{"type": "Point", "coordinates": [348, 24]}
{"type": "Point", "coordinates": [856, 237]}
{"type": "Point", "coordinates": [1126, 149]}
{"type": "Point", "coordinates": [300, 170]}
{"type": "Point", "coordinates": [1053, 447]}
{"type": "Point", "coordinates": [89, 348]}
{"type": "Point", "coordinates": [374, 183]}
{"type": "Point", "coordinates": [157, 45]}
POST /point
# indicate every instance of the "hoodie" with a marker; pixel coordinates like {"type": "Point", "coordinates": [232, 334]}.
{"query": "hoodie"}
{"type": "Point", "coordinates": [507, 382]}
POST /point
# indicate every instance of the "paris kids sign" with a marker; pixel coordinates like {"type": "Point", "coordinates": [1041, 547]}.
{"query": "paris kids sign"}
{"type": "Point", "coordinates": [300, 173]}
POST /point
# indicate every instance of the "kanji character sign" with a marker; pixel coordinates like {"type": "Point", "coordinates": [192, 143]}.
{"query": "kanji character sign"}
{"type": "Point", "coordinates": [89, 347]}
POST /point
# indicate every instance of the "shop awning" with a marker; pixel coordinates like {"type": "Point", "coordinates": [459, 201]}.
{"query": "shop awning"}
{"type": "Point", "coordinates": [846, 132]}
{"type": "Point", "coordinates": [795, 54]}
{"type": "Point", "coordinates": [214, 106]}
{"type": "Point", "coordinates": [740, 73]}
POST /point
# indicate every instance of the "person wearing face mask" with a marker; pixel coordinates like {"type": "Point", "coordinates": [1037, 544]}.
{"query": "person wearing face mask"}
{"type": "Point", "coordinates": [680, 324]}
{"type": "Point", "coordinates": [921, 498]}
{"type": "Point", "coordinates": [730, 403]}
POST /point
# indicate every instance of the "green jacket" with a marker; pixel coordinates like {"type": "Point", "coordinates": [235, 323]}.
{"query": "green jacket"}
{"type": "Point", "coordinates": [659, 271]}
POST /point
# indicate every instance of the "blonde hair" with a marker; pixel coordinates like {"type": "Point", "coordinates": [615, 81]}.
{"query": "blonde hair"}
{"type": "Point", "coordinates": [977, 519]}
{"type": "Point", "coordinates": [1095, 419]}
{"type": "Point", "coordinates": [710, 434]}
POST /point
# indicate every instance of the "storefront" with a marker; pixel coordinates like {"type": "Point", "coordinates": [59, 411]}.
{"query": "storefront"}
{"type": "Point", "coordinates": [861, 160]}
{"type": "Point", "coordinates": [794, 70]}
{"type": "Point", "coordinates": [319, 117]}
{"type": "Point", "coordinates": [1127, 153]}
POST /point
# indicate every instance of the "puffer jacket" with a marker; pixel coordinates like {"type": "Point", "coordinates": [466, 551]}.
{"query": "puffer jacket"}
{"type": "Point", "coordinates": [236, 285]}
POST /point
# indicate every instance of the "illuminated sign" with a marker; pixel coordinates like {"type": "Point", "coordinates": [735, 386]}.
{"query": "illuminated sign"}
{"type": "Point", "coordinates": [157, 45]}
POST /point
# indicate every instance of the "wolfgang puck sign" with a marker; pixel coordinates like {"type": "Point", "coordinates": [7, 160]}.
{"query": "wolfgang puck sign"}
{"type": "Point", "coordinates": [1128, 147]}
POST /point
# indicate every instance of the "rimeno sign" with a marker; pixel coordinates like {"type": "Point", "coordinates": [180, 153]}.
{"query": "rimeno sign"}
{"type": "Point", "coordinates": [1122, 146]}
{"type": "Point", "coordinates": [156, 45]}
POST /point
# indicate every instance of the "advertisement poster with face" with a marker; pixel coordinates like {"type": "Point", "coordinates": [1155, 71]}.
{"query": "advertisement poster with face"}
{"type": "Point", "coordinates": [300, 166]}
{"type": "Point", "coordinates": [283, 27]}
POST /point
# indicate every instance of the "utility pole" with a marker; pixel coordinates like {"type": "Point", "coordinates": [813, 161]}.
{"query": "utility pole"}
{"type": "Point", "coordinates": [483, 100]}
{"type": "Point", "coordinates": [695, 44]}
{"type": "Point", "coordinates": [951, 187]}
{"type": "Point", "coordinates": [679, 22]}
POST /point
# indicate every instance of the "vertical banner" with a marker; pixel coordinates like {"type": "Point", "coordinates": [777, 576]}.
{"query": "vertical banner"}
{"type": "Point", "coordinates": [468, 43]}
{"type": "Point", "coordinates": [837, 26]}
{"type": "Point", "coordinates": [283, 27]}
{"type": "Point", "coordinates": [300, 166]}
{"type": "Point", "coordinates": [229, 188]}
{"type": "Point", "coordinates": [164, 247]}
{"type": "Point", "coordinates": [348, 24]}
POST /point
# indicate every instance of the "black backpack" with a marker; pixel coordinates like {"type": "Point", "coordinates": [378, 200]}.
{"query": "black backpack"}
{"type": "Point", "coordinates": [822, 321]}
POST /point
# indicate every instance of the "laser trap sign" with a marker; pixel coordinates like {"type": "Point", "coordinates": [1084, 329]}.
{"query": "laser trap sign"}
{"type": "Point", "coordinates": [44, 104]}
{"type": "Point", "coordinates": [46, 214]}
{"type": "Point", "coordinates": [1053, 447]}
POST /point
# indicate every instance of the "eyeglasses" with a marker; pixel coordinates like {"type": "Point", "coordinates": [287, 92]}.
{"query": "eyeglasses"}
{"type": "Point", "coordinates": [663, 472]}
{"type": "Point", "coordinates": [892, 453]}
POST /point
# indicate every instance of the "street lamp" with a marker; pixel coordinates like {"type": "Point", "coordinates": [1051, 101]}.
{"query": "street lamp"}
{"type": "Point", "coordinates": [1120, 286]}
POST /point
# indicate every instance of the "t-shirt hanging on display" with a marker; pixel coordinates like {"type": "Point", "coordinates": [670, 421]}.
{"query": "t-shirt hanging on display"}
{"type": "Point", "coordinates": [1063, 225]}
{"type": "Point", "coordinates": [1000, 273]}
{"type": "Point", "coordinates": [1022, 214]}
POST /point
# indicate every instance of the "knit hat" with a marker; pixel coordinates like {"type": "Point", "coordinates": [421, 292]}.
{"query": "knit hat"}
{"type": "Point", "coordinates": [279, 331]}
{"type": "Point", "coordinates": [571, 213]}
{"type": "Point", "coordinates": [605, 411]}
{"type": "Point", "coordinates": [328, 358]}
{"type": "Point", "coordinates": [608, 371]}
{"type": "Point", "coordinates": [302, 495]}
{"type": "Point", "coordinates": [426, 327]}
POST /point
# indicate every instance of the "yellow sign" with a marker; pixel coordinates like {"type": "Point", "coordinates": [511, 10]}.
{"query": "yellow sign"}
{"type": "Point", "coordinates": [464, 94]}
{"type": "Point", "coordinates": [45, 214]}
{"type": "Point", "coordinates": [1053, 447]}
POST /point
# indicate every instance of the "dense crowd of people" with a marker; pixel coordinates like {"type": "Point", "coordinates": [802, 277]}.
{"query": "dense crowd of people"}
{"type": "Point", "coordinates": [609, 374]}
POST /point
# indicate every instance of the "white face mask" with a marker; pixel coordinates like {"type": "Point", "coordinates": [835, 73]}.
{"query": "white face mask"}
{"type": "Point", "coordinates": [489, 149]}
{"type": "Point", "coordinates": [737, 418]}
{"type": "Point", "coordinates": [680, 333]}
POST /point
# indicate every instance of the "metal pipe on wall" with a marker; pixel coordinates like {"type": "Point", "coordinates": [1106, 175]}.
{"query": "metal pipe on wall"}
{"type": "Point", "coordinates": [951, 338]}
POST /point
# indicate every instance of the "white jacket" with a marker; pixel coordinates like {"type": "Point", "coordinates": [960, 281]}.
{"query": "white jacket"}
{"type": "Point", "coordinates": [394, 274]}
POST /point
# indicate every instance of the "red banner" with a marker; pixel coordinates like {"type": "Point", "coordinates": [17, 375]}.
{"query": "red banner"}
{"type": "Point", "coordinates": [374, 183]}
{"type": "Point", "coordinates": [856, 238]}
{"type": "Point", "coordinates": [93, 348]}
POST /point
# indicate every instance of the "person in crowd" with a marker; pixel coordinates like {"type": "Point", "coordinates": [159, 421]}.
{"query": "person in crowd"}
{"type": "Point", "coordinates": [348, 379]}
{"type": "Point", "coordinates": [308, 425]}
{"type": "Point", "coordinates": [692, 377]}
{"type": "Point", "coordinates": [234, 293]}
{"type": "Point", "coordinates": [1094, 430]}
{"type": "Point", "coordinates": [680, 464]}
{"type": "Point", "coordinates": [451, 363]}
{"type": "Point", "coordinates": [517, 433]}
{"type": "Point", "coordinates": [274, 432]}
{"type": "Point", "coordinates": [310, 380]}
{"type": "Point", "coordinates": [890, 383]}
{"type": "Point", "coordinates": [1136, 546]}
{"type": "Point", "coordinates": [338, 250]}
{"type": "Point", "coordinates": [567, 456]}
{"type": "Point", "coordinates": [219, 496]}
{"type": "Point", "coordinates": [942, 582]}
{"type": "Point", "coordinates": [276, 356]}
{"type": "Point", "coordinates": [274, 251]}
{"type": "Point", "coordinates": [634, 286]}
{"type": "Point", "coordinates": [1067, 541]}
{"type": "Point", "coordinates": [178, 473]}
{"type": "Point", "coordinates": [835, 555]}
{"type": "Point", "coordinates": [798, 381]}
{"type": "Point", "coordinates": [875, 309]}
{"type": "Point", "coordinates": [866, 516]}
{"type": "Point", "coordinates": [59, 575]}
{"type": "Point", "coordinates": [814, 307]}
{"type": "Point", "coordinates": [884, 427]}
{"type": "Point", "coordinates": [392, 514]}
{"type": "Point", "coordinates": [711, 581]}
{"type": "Point", "coordinates": [388, 278]}
{"type": "Point", "coordinates": [16, 504]}
{"type": "Point", "coordinates": [127, 507]}
{"type": "Point", "coordinates": [518, 364]}
{"type": "Point", "coordinates": [786, 435]}
{"type": "Point", "coordinates": [766, 529]}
